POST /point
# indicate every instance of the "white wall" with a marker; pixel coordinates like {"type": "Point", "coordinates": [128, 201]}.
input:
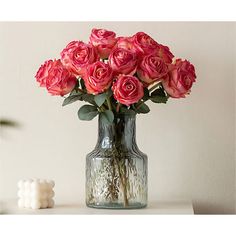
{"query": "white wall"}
{"type": "Point", "coordinates": [190, 142]}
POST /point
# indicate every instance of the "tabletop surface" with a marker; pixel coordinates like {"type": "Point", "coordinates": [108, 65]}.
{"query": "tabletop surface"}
{"type": "Point", "coordinates": [157, 207]}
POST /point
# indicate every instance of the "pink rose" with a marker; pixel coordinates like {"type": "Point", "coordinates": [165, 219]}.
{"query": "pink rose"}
{"type": "Point", "coordinates": [123, 61]}
{"type": "Point", "coordinates": [164, 53]}
{"type": "Point", "coordinates": [77, 56]}
{"type": "Point", "coordinates": [180, 79]}
{"type": "Point", "coordinates": [152, 68]}
{"type": "Point", "coordinates": [127, 89]}
{"type": "Point", "coordinates": [103, 40]}
{"type": "Point", "coordinates": [42, 74]}
{"type": "Point", "coordinates": [60, 81]}
{"type": "Point", "coordinates": [98, 77]}
{"type": "Point", "coordinates": [126, 43]}
{"type": "Point", "coordinates": [143, 43]}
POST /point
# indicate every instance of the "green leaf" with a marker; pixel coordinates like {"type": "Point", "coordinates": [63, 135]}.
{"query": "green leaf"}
{"type": "Point", "coordinates": [146, 94]}
{"type": "Point", "coordinates": [88, 98]}
{"type": "Point", "coordinates": [107, 116]}
{"type": "Point", "coordinates": [159, 96]}
{"type": "Point", "coordinates": [100, 98]}
{"type": "Point", "coordinates": [87, 112]}
{"type": "Point", "coordinates": [127, 111]}
{"type": "Point", "coordinates": [143, 108]}
{"type": "Point", "coordinates": [159, 92]}
{"type": "Point", "coordinates": [74, 92]}
{"type": "Point", "coordinates": [158, 99]}
{"type": "Point", "coordinates": [72, 98]}
{"type": "Point", "coordinates": [109, 93]}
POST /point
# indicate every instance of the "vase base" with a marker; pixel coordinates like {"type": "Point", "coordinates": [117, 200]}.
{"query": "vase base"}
{"type": "Point", "coordinates": [117, 206]}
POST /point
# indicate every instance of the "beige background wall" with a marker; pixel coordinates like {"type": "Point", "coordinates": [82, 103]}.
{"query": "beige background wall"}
{"type": "Point", "coordinates": [190, 142]}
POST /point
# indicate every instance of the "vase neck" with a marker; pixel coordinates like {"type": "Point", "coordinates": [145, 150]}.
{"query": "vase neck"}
{"type": "Point", "coordinates": [121, 133]}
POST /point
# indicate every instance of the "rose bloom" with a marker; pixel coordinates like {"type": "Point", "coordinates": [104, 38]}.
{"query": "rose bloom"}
{"type": "Point", "coordinates": [180, 79]}
{"type": "Point", "coordinates": [77, 56]}
{"type": "Point", "coordinates": [126, 43]}
{"type": "Point", "coordinates": [60, 81]}
{"type": "Point", "coordinates": [127, 89]}
{"type": "Point", "coordinates": [98, 77]}
{"type": "Point", "coordinates": [151, 69]}
{"type": "Point", "coordinates": [103, 40]}
{"type": "Point", "coordinates": [42, 73]}
{"type": "Point", "coordinates": [165, 53]}
{"type": "Point", "coordinates": [123, 61]}
{"type": "Point", "coordinates": [143, 43]}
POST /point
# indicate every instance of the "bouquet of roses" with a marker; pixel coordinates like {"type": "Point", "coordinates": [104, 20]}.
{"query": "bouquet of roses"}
{"type": "Point", "coordinates": [116, 74]}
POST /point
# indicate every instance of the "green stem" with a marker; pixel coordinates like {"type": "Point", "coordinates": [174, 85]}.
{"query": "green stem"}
{"type": "Point", "coordinates": [118, 107]}
{"type": "Point", "coordinates": [109, 103]}
{"type": "Point", "coordinates": [126, 202]}
{"type": "Point", "coordinates": [113, 190]}
{"type": "Point", "coordinates": [102, 108]}
{"type": "Point", "coordinates": [122, 181]}
{"type": "Point", "coordinates": [80, 90]}
{"type": "Point", "coordinates": [122, 175]}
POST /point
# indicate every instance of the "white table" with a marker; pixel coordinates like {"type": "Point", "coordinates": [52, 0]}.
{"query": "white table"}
{"type": "Point", "coordinates": [158, 207]}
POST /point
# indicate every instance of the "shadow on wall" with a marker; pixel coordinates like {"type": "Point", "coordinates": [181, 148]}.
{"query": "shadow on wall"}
{"type": "Point", "coordinates": [201, 208]}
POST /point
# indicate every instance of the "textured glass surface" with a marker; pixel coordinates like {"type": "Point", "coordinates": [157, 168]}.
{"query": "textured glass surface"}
{"type": "Point", "coordinates": [116, 170]}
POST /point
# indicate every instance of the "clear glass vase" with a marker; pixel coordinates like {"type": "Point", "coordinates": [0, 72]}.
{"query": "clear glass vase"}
{"type": "Point", "coordinates": [116, 170]}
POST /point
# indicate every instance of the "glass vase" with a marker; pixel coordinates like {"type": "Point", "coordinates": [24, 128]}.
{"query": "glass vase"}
{"type": "Point", "coordinates": [116, 170]}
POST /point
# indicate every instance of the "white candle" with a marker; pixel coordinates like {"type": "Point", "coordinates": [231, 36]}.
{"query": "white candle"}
{"type": "Point", "coordinates": [35, 193]}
